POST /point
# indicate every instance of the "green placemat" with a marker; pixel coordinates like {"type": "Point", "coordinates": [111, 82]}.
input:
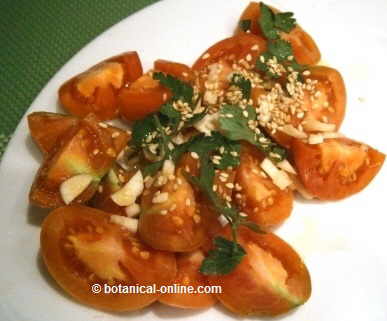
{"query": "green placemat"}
{"type": "Point", "coordinates": [37, 37]}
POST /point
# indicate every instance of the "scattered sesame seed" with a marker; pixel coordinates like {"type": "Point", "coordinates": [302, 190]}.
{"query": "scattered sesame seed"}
{"type": "Point", "coordinates": [115, 134]}
{"type": "Point", "coordinates": [206, 56]}
{"type": "Point", "coordinates": [103, 125]}
{"type": "Point", "coordinates": [194, 155]}
{"type": "Point", "coordinates": [230, 185]}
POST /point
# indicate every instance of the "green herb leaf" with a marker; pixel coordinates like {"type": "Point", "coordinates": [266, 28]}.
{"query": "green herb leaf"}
{"type": "Point", "coordinates": [243, 83]}
{"type": "Point", "coordinates": [281, 49]}
{"type": "Point", "coordinates": [152, 169]}
{"type": "Point", "coordinates": [172, 116]}
{"type": "Point", "coordinates": [284, 21]}
{"type": "Point", "coordinates": [223, 259]}
{"type": "Point", "coordinates": [266, 22]}
{"type": "Point", "coordinates": [245, 24]}
{"type": "Point", "coordinates": [180, 90]}
{"type": "Point", "coordinates": [234, 125]}
{"type": "Point", "coordinates": [142, 129]}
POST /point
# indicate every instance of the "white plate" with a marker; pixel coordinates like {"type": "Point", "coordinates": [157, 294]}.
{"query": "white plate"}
{"type": "Point", "coordinates": [343, 243]}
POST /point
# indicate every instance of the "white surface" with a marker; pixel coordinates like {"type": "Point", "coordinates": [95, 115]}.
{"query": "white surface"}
{"type": "Point", "coordinates": [343, 243]}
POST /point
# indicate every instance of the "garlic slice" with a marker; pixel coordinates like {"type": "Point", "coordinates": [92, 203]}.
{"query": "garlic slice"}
{"type": "Point", "coordinates": [71, 188]}
{"type": "Point", "coordinates": [131, 224]}
{"type": "Point", "coordinates": [128, 194]}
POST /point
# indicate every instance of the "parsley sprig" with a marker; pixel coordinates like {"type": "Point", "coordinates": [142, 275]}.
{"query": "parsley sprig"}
{"type": "Point", "coordinates": [272, 24]}
{"type": "Point", "coordinates": [235, 124]}
{"type": "Point", "coordinates": [243, 83]}
{"type": "Point", "coordinates": [180, 89]}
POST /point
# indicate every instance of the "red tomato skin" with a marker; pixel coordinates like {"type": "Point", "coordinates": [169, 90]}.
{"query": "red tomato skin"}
{"type": "Point", "coordinates": [103, 100]}
{"type": "Point", "coordinates": [240, 292]}
{"type": "Point", "coordinates": [328, 187]}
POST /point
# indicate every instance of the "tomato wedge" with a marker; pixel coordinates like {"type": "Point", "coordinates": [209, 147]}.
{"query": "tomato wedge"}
{"type": "Point", "coordinates": [48, 129]}
{"type": "Point", "coordinates": [81, 247]}
{"type": "Point", "coordinates": [231, 50]}
{"type": "Point", "coordinates": [169, 219]}
{"type": "Point", "coordinates": [336, 168]}
{"type": "Point", "coordinates": [326, 103]}
{"type": "Point", "coordinates": [270, 280]}
{"type": "Point", "coordinates": [96, 89]}
{"type": "Point", "coordinates": [176, 69]}
{"type": "Point", "coordinates": [143, 97]}
{"type": "Point", "coordinates": [188, 274]}
{"type": "Point", "coordinates": [263, 202]}
{"type": "Point", "coordinates": [87, 148]}
{"type": "Point", "coordinates": [305, 49]}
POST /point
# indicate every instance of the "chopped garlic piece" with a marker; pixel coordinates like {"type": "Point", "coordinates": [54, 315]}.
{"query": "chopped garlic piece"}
{"type": "Point", "coordinates": [287, 167]}
{"type": "Point", "coordinates": [168, 168]}
{"type": "Point", "coordinates": [71, 188]}
{"type": "Point", "coordinates": [222, 220]}
{"type": "Point", "coordinates": [279, 177]}
{"type": "Point", "coordinates": [131, 224]}
{"type": "Point", "coordinates": [128, 194]}
{"type": "Point", "coordinates": [292, 131]}
{"type": "Point", "coordinates": [315, 139]}
{"type": "Point", "coordinates": [312, 124]}
{"type": "Point", "coordinates": [207, 124]}
{"type": "Point", "coordinates": [133, 210]}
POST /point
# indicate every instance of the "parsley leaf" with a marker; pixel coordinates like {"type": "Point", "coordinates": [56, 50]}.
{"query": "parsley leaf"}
{"type": "Point", "coordinates": [235, 126]}
{"type": "Point", "coordinates": [243, 83]}
{"type": "Point", "coordinates": [245, 24]}
{"type": "Point", "coordinates": [180, 89]}
{"type": "Point", "coordinates": [284, 21]}
{"type": "Point", "coordinates": [142, 129]}
{"type": "Point", "coordinates": [266, 21]}
{"type": "Point", "coordinates": [223, 259]}
{"type": "Point", "coordinates": [281, 49]}
{"type": "Point", "coordinates": [171, 117]}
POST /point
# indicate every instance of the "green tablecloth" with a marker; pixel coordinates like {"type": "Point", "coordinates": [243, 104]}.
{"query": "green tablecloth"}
{"type": "Point", "coordinates": [37, 37]}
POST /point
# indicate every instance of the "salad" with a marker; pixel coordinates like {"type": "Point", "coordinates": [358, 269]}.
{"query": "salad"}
{"type": "Point", "coordinates": [205, 163]}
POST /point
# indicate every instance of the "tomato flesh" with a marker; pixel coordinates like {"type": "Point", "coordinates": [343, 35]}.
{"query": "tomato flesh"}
{"type": "Point", "coordinates": [81, 247]}
{"type": "Point", "coordinates": [270, 280]}
{"type": "Point", "coordinates": [96, 89]}
{"type": "Point", "coordinates": [48, 129]}
{"type": "Point", "coordinates": [176, 69]}
{"type": "Point", "coordinates": [173, 224]}
{"type": "Point", "coordinates": [336, 168]}
{"type": "Point", "coordinates": [263, 202]}
{"type": "Point", "coordinates": [188, 274]}
{"type": "Point", "coordinates": [87, 149]}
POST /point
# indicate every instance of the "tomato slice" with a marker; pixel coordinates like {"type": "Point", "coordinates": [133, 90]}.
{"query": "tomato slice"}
{"type": "Point", "coordinates": [245, 47]}
{"type": "Point", "coordinates": [142, 98]}
{"type": "Point", "coordinates": [96, 89]}
{"type": "Point", "coordinates": [305, 49]}
{"type": "Point", "coordinates": [169, 218]}
{"type": "Point", "coordinates": [270, 280]}
{"type": "Point", "coordinates": [81, 247]}
{"type": "Point", "coordinates": [263, 202]}
{"type": "Point", "coordinates": [87, 148]}
{"type": "Point", "coordinates": [188, 274]}
{"type": "Point", "coordinates": [176, 69]}
{"type": "Point", "coordinates": [325, 103]}
{"type": "Point", "coordinates": [336, 168]}
{"type": "Point", "coordinates": [48, 129]}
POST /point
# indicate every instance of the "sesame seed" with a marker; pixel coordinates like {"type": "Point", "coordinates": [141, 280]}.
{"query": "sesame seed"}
{"type": "Point", "coordinates": [115, 134]}
{"type": "Point", "coordinates": [255, 48]}
{"type": "Point", "coordinates": [194, 155]}
{"type": "Point", "coordinates": [184, 74]}
{"type": "Point", "coordinates": [177, 220]}
{"type": "Point", "coordinates": [144, 255]}
{"type": "Point", "coordinates": [188, 202]}
{"type": "Point", "coordinates": [229, 115]}
{"type": "Point", "coordinates": [196, 219]}
{"type": "Point", "coordinates": [230, 185]}
{"type": "Point", "coordinates": [214, 188]}
{"type": "Point", "coordinates": [173, 207]}
{"type": "Point", "coordinates": [249, 57]}
{"type": "Point", "coordinates": [245, 114]}
{"type": "Point", "coordinates": [206, 56]}
{"type": "Point", "coordinates": [100, 188]}
{"type": "Point", "coordinates": [306, 73]}
{"type": "Point", "coordinates": [163, 212]}
{"type": "Point", "coordinates": [95, 151]}
{"type": "Point", "coordinates": [160, 198]}
{"type": "Point", "coordinates": [103, 125]}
